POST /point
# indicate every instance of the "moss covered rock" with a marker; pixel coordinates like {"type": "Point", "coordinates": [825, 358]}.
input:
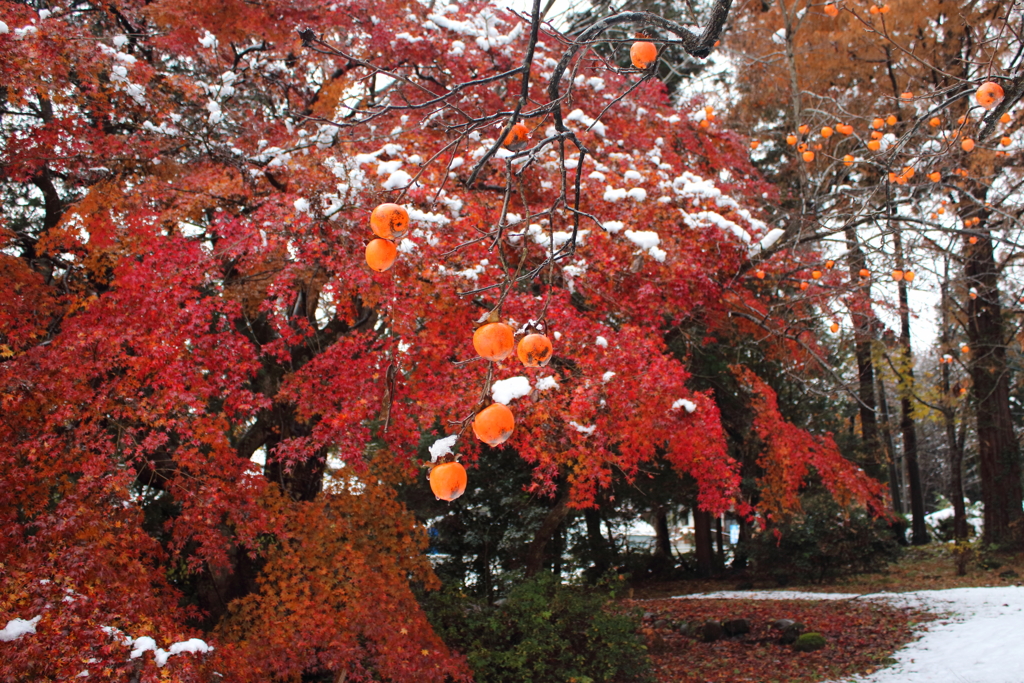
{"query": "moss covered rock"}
{"type": "Point", "coordinates": [809, 642]}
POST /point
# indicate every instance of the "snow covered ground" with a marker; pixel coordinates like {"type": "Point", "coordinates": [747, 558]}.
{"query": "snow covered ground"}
{"type": "Point", "coordinates": [978, 638]}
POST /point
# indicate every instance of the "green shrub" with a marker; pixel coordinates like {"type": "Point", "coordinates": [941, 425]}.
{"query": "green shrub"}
{"type": "Point", "coordinates": [825, 541]}
{"type": "Point", "coordinates": [809, 642]}
{"type": "Point", "coordinates": [543, 632]}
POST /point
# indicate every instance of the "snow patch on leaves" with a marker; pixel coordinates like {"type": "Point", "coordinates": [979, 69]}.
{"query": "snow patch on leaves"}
{"type": "Point", "coordinates": [507, 390]}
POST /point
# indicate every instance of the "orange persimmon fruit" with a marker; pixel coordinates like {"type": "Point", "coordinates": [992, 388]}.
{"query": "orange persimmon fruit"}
{"type": "Point", "coordinates": [389, 221]}
{"type": "Point", "coordinates": [517, 136]}
{"type": "Point", "coordinates": [826, 132]}
{"type": "Point", "coordinates": [494, 424]}
{"type": "Point", "coordinates": [643, 53]}
{"type": "Point", "coordinates": [534, 350]}
{"type": "Point", "coordinates": [381, 254]}
{"type": "Point", "coordinates": [989, 94]}
{"type": "Point", "coordinates": [967, 145]}
{"type": "Point", "coordinates": [494, 341]}
{"type": "Point", "coordinates": [831, 10]}
{"type": "Point", "coordinates": [448, 480]}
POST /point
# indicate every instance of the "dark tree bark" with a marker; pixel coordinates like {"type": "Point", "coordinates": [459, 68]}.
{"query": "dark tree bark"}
{"type": "Point", "coordinates": [719, 541]}
{"type": "Point", "coordinates": [863, 334]}
{"type": "Point", "coordinates": [534, 560]}
{"type": "Point", "coordinates": [954, 441]}
{"type": "Point", "coordinates": [600, 551]}
{"type": "Point", "coordinates": [998, 450]}
{"type": "Point", "coordinates": [919, 530]}
{"type": "Point", "coordinates": [663, 544]}
{"type": "Point", "coordinates": [702, 541]}
{"type": "Point", "coordinates": [890, 449]}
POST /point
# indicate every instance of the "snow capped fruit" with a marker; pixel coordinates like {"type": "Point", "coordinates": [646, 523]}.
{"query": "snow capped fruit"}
{"type": "Point", "coordinates": [517, 137]}
{"type": "Point", "coordinates": [643, 54]}
{"type": "Point", "coordinates": [831, 10]}
{"type": "Point", "coordinates": [381, 254]}
{"type": "Point", "coordinates": [534, 350]}
{"type": "Point", "coordinates": [448, 480]}
{"type": "Point", "coordinates": [494, 341]}
{"type": "Point", "coordinates": [389, 221]}
{"type": "Point", "coordinates": [989, 94]}
{"type": "Point", "coordinates": [494, 424]}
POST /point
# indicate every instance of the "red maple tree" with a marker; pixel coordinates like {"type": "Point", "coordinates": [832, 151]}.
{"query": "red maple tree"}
{"type": "Point", "coordinates": [187, 189]}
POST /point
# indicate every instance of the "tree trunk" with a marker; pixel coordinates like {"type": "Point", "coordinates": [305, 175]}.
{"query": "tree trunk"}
{"type": "Point", "coordinates": [663, 544]}
{"type": "Point", "coordinates": [600, 553]}
{"type": "Point", "coordinates": [998, 450]}
{"type": "Point", "coordinates": [919, 530]}
{"type": "Point", "coordinates": [895, 487]}
{"type": "Point", "coordinates": [955, 444]}
{"type": "Point", "coordinates": [534, 560]}
{"type": "Point", "coordinates": [863, 334]}
{"type": "Point", "coordinates": [702, 539]}
{"type": "Point", "coordinates": [719, 541]}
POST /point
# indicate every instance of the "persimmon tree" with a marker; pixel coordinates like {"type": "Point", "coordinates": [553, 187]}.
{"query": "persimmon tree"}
{"type": "Point", "coordinates": [913, 165]}
{"type": "Point", "coordinates": [208, 397]}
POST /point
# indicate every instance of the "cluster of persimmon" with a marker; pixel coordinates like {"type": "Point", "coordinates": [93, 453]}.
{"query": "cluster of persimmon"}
{"type": "Point", "coordinates": [388, 222]}
{"type": "Point", "coordinates": [495, 341]}
{"type": "Point", "coordinates": [988, 95]}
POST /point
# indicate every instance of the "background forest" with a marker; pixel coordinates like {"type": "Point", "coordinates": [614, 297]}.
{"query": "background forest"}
{"type": "Point", "coordinates": [776, 260]}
